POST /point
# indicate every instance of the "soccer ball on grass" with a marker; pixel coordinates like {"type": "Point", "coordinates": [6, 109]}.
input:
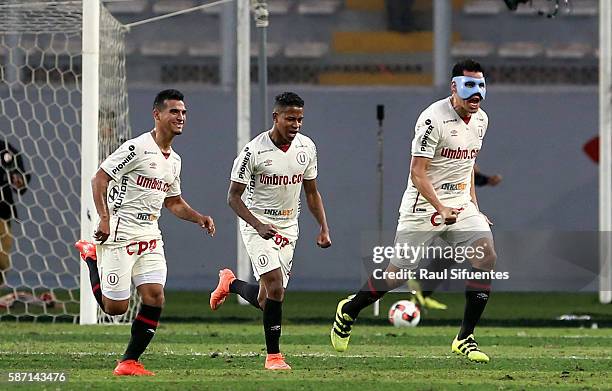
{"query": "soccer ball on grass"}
{"type": "Point", "coordinates": [404, 313]}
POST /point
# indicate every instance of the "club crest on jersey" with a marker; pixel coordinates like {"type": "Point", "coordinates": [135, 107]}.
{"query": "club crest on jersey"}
{"type": "Point", "coordinates": [262, 260]}
{"type": "Point", "coordinates": [301, 158]}
{"type": "Point", "coordinates": [112, 279]}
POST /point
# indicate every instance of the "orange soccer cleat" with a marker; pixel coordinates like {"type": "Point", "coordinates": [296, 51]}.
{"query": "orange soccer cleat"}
{"type": "Point", "coordinates": [217, 297]}
{"type": "Point", "coordinates": [276, 361]}
{"type": "Point", "coordinates": [87, 249]}
{"type": "Point", "coordinates": [131, 368]}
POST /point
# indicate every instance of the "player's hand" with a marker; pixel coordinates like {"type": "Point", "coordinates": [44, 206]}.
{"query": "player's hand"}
{"type": "Point", "coordinates": [103, 231]}
{"type": "Point", "coordinates": [494, 180]}
{"type": "Point", "coordinates": [449, 215]}
{"type": "Point", "coordinates": [266, 231]}
{"type": "Point", "coordinates": [207, 223]}
{"type": "Point", "coordinates": [487, 219]}
{"type": "Point", "coordinates": [323, 240]}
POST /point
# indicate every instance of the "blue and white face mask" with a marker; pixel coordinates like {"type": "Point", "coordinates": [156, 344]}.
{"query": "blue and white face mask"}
{"type": "Point", "coordinates": [469, 86]}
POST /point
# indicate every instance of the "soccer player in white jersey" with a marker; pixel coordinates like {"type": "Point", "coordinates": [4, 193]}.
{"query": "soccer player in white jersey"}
{"type": "Point", "coordinates": [440, 201]}
{"type": "Point", "coordinates": [129, 190]}
{"type": "Point", "coordinates": [272, 168]}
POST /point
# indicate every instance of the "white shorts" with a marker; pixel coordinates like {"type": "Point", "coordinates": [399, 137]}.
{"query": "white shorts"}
{"type": "Point", "coordinates": [419, 230]}
{"type": "Point", "coordinates": [140, 262]}
{"type": "Point", "coordinates": [268, 255]}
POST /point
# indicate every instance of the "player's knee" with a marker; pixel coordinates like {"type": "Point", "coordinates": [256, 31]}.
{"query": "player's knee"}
{"type": "Point", "coordinates": [115, 307]}
{"type": "Point", "coordinates": [275, 292]}
{"type": "Point", "coordinates": [486, 261]}
{"type": "Point", "coordinates": [155, 299]}
{"type": "Point", "coordinates": [262, 302]}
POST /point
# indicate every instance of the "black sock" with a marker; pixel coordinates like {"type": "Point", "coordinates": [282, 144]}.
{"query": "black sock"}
{"type": "Point", "coordinates": [272, 314]}
{"type": "Point", "coordinates": [477, 293]}
{"type": "Point", "coordinates": [371, 291]}
{"type": "Point", "coordinates": [94, 278]}
{"type": "Point", "coordinates": [426, 293]}
{"type": "Point", "coordinates": [245, 290]}
{"type": "Point", "coordinates": [143, 330]}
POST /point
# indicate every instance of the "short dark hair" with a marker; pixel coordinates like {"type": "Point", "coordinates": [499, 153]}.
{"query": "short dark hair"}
{"type": "Point", "coordinates": [287, 99]}
{"type": "Point", "coordinates": [165, 95]}
{"type": "Point", "coordinates": [466, 65]}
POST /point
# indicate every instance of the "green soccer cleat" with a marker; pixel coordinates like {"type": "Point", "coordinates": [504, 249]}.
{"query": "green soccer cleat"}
{"type": "Point", "coordinates": [468, 347]}
{"type": "Point", "coordinates": [341, 330]}
{"type": "Point", "coordinates": [433, 304]}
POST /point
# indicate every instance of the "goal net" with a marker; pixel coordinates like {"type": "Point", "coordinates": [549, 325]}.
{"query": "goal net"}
{"type": "Point", "coordinates": [41, 85]}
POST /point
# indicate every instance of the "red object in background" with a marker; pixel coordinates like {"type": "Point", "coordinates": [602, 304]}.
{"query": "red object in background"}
{"type": "Point", "coordinates": [591, 148]}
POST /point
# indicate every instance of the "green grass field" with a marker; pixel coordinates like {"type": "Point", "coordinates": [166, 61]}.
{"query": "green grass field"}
{"type": "Point", "coordinates": [224, 350]}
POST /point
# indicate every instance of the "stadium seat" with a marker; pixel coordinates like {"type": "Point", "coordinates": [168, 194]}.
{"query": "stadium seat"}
{"type": "Point", "coordinates": [383, 41]}
{"type": "Point", "coordinates": [483, 7]}
{"type": "Point", "coordinates": [520, 50]}
{"type": "Point", "coordinates": [318, 7]}
{"type": "Point", "coordinates": [161, 48]}
{"type": "Point", "coordinates": [380, 78]}
{"type": "Point", "coordinates": [584, 8]}
{"type": "Point", "coordinates": [472, 49]}
{"type": "Point", "coordinates": [167, 6]}
{"type": "Point", "coordinates": [204, 49]}
{"type": "Point", "coordinates": [568, 51]}
{"type": "Point", "coordinates": [278, 7]}
{"type": "Point", "coordinates": [306, 49]}
{"type": "Point", "coordinates": [126, 7]}
{"type": "Point", "coordinates": [273, 49]}
{"type": "Point", "coordinates": [526, 10]}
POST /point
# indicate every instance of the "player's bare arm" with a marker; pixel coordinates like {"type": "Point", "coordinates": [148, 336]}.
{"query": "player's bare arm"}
{"type": "Point", "coordinates": [315, 204]}
{"type": "Point", "coordinates": [99, 185]}
{"type": "Point", "coordinates": [181, 209]}
{"type": "Point", "coordinates": [418, 174]}
{"type": "Point", "coordinates": [473, 190]}
{"type": "Point", "coordinates": [235, 202]}
{"type": "Point", "coordinates": [473, 195]}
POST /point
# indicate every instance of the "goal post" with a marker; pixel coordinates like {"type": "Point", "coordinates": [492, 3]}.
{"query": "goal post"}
{"type": "Point", "coordinates": [89, 142]}
{"type": "Point", "coordinates": [63, 98]}
{"type": "Point", "coordinates": [605, 149]}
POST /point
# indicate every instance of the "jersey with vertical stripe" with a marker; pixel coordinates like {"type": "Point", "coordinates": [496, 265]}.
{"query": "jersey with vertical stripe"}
{"type": "Point", "coordinates": [141, 178]}
{"type": "Point", "coordinates": [273, 180]}
{"type": "Point", "coordinates": [452, 145]}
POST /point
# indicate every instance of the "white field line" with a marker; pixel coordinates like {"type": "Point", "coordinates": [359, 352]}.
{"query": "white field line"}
{"type": "Point", "coordinates": [303, 355]}
{"type": "Point", "coordinates": [520, 335]}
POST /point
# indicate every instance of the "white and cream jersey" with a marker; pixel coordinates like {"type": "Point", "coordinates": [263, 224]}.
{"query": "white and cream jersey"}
{"type": "Point", "coordinates": [273, 180]}
{"type": "Point", "coordinates": [142, 177]}
{"type": "Point", "coordinates": [452, 145]}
